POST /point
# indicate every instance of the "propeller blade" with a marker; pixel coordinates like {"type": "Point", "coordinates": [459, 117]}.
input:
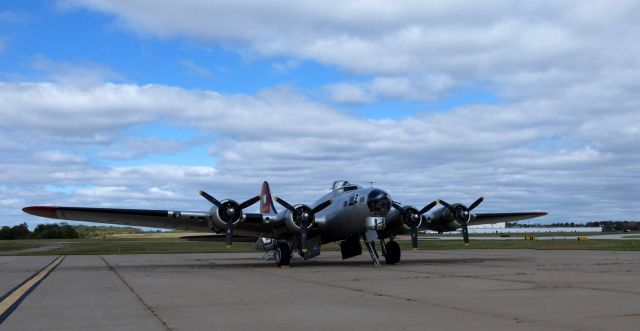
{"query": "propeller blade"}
{"type": "Point", "coordinates": [249, 202]}
{"type": "Point", "coordinates": [414, 238]}
{"type": "Point", "coordinates": [304, 235]}
{"type": "Point", "coordinates": [321, 206]}
{"type": "Point", "coordinates": [448, 206]}
{"type": "Point", "coordinates": [475, 204]}
{"type": "Point", "coordinates": [428, 207]}
{"type": "Point", "coordinates": [210, 198]}
{"type": "Point", "coordinates": [285, 204]}
{"type": "Point", "coordinates": [229, 238]}
{"type": "Point", "coordinates": [465, 233]}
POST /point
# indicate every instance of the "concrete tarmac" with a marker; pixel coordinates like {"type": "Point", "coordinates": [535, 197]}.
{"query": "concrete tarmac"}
{"type": "Point", "coordinates": [436, 290]}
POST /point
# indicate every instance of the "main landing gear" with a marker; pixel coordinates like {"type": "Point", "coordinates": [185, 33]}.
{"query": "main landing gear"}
{"type": "Point", "coordinates": [391, 252]}
{"type": "Point", "coordinates": [282, 254]}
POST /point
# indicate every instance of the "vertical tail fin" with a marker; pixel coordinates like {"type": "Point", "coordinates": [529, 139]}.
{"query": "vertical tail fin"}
{"type": "Point", "coordinates": [266, 203]}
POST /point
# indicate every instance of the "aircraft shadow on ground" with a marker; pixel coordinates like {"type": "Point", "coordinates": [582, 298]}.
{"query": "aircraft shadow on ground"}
{"type": "Point", "coordinates": [248, 263]}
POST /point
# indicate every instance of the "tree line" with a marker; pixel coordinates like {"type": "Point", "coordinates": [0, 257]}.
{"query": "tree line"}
{"type": "Point", "coordinates": [62, 231]}
{"type": "Point", "coordinates": [42, 231]}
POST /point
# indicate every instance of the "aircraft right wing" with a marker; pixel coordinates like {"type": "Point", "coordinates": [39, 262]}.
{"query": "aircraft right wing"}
{"type": "Point", "coordinates": [492, 218]}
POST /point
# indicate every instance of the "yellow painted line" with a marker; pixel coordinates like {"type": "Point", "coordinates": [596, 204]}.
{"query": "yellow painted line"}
{"type": "Point", "coordinates": [18, 293]}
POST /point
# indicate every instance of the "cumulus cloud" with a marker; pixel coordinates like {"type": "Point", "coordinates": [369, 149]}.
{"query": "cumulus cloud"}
{"type": "Point", "coordinates": [401, 88]}
{"type": "Point", "coordinates": [137, 148]}
{"type": "Point", "coordinates": [499, 151]}
{"type": "Point", "coordinates": [59, 157]}
{"type": "Point", "coordinates": [462, 42]}
{"type": "Point", "coordinates": [562, 138]}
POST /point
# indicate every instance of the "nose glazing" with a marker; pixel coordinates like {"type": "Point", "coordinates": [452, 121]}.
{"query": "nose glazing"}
{"type": "Point", "coordinates": [379, 202]}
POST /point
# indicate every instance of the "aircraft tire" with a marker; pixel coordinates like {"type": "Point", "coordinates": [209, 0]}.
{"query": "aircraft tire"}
{"type": "Point", "coordinates": [282, 255]}
{"type": "Point", "coordinates": [392, 253]}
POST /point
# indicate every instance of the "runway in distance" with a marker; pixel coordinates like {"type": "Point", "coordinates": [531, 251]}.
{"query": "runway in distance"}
{"type": "Point", "coordinates": [349, 213]}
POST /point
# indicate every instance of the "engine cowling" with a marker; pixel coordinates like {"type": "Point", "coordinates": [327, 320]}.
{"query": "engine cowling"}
{"type": "Point", "coordinates": [442, 220]}
{"type": "Point", "coordinates": [293, 220]}
{"type": "Point", "coordinates": [410, 218]}
{"type": "Point", "coordinates": [229, 211]}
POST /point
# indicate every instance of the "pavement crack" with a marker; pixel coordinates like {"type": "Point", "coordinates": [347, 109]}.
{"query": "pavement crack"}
{"type": "Point", "coordinates": [378, 294]}
{"type": "Point", "coordinates": [153, 312]}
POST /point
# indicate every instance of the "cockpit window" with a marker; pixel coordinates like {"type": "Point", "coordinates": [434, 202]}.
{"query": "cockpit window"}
{"type": "Point", "coordinates": [341, 186]}
{"type": "Point", "coordinates": [338, 184]}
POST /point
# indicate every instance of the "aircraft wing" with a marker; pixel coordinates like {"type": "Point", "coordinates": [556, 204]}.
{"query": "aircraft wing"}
{"type": "Point", "coordinates": [491, 218]}
{"type": "Point", "coordinates": [164, 219]}
{"type": "Point", "coordinates": [253, 224]}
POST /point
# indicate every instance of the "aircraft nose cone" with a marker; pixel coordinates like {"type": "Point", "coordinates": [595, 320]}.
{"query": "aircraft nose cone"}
{"type": "Point", "coordinates": [379, 202]}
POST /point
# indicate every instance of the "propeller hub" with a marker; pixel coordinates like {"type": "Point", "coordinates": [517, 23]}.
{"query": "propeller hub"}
{"type": "Point", "coordinates": [303, 214]}
{"type": "Point", "coordinates": [411, 217]}
{"type": "Point", "coordinates": [228, 211]}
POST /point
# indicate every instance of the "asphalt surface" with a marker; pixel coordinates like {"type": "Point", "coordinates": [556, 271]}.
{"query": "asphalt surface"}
{"type": "Point", "coordinates": [437, 290]}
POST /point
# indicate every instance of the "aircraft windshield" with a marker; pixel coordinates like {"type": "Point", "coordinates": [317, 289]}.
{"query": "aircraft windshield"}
{"type": "Point", "coordinates": [338, 184]}
{"type": "Point", "coordinates": [343, 186]}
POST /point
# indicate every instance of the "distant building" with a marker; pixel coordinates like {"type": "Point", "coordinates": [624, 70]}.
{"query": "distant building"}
{"type": "Point", "coordinates": [502, 228]}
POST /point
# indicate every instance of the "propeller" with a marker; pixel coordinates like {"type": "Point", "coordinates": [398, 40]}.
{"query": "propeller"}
{"type": "Point", "coordinates": [229, 211]}
{"type": "Point", "coordinates": [461, 215]}
{"type": "Point", "coordinates": [412, 218]}
{"type": "Point", "coordinates": [305, 216]}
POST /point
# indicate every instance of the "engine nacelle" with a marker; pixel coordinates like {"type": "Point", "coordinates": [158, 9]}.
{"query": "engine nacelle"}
{"type": "Point", "coordinates": [413, 219]}
{"type": "Point", "coordinates": [442, 220]}
{"type": "Point", "coordinates": [293, 220]}
{"type": "Point", "coordinates": [228, 212]}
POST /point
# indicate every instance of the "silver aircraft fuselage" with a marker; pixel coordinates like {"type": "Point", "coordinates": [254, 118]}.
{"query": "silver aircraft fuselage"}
{"type": "Point", "coordinates": [347, 213]}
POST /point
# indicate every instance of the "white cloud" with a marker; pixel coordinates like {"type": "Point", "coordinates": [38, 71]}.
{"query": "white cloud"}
{"type": "Point", "coordinates": [349, 93]}
{"type": "Point", "coordinates": [414, 50]}
{"type": "Point", "coordinates": [137, 148]}
{"type": "Point", "coordinates": [402, 88]}
{"type": "Point", "coordinates": [59, 157]}
{"type": "Point", "coordinates": [498, 151]}
{"type": "Point", "coordinates": [562, 138]}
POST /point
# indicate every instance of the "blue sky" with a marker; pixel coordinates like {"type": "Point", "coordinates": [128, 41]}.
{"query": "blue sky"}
{"type": "Point", "coordinates": [49, 32]}
{"type": "Point", "coordinates": [105, 102]}
{"type": "Point", "coordinates": [78, 35]}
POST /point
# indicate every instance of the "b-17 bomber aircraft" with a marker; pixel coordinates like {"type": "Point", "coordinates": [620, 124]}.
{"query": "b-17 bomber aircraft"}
{"type": "Point", "coordinates": [348, 213]}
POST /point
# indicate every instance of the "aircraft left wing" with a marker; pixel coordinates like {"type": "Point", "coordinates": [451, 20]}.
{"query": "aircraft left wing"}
{"type": "Point", "coordinates": [491, 218]}
{"type": "Point", "coordinates": [163, 219]}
